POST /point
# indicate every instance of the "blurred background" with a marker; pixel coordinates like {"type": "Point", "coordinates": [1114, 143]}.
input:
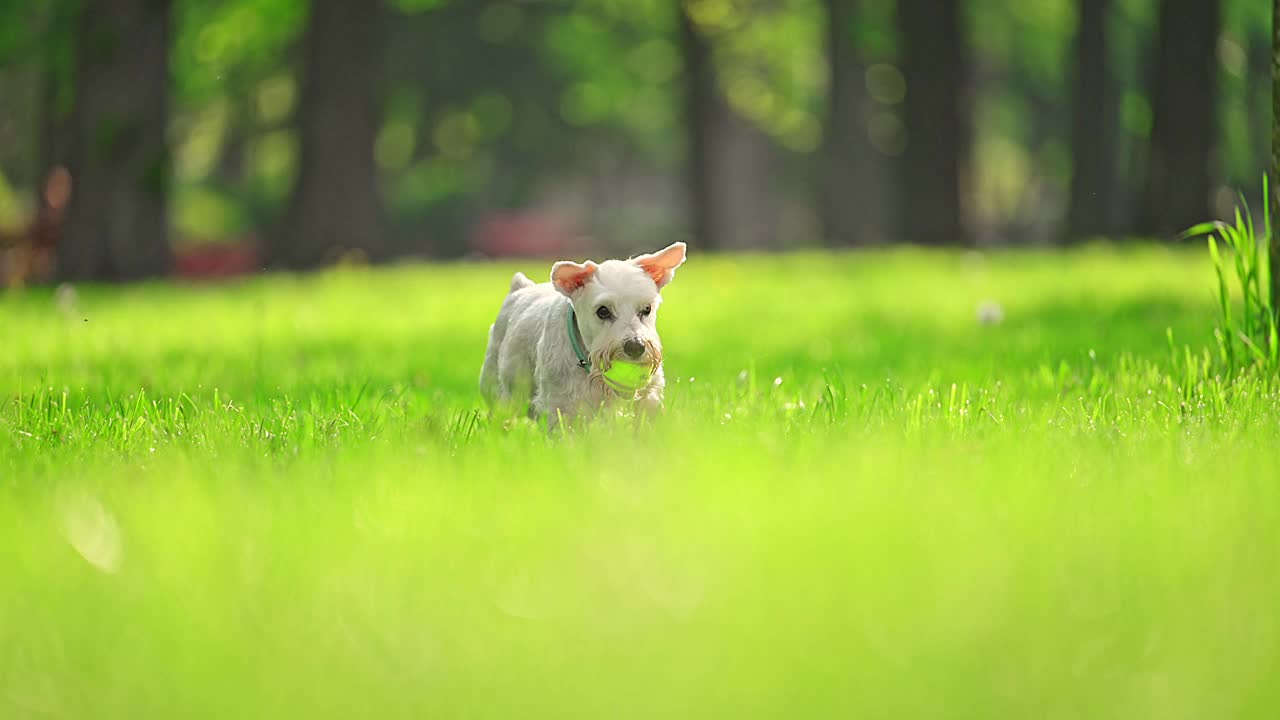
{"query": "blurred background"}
{"type": "Point", "coordinates": [204, 138]}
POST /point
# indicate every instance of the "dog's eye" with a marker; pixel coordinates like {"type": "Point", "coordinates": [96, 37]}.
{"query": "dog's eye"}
{"type": "Point", "coordinates": [644, 311]}
{"type": "Point", "coordinates": [604, 313]}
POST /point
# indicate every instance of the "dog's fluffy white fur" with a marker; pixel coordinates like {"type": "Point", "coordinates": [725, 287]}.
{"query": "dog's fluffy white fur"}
{"type": "Point", "coordinates": [530, 356]}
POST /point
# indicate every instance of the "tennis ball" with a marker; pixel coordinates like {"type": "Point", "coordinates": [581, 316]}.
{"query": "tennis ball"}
{"type": "Point", "coordinates": [627, 377]}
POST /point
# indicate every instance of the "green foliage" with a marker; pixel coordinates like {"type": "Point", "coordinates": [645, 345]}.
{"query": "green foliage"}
{"type": "Point", "coordinates": [35, 59]}
{"type": "Point", "coordinates": [1250, 339]}
{"type": "Point", "coordinates": [771, 63]}
{"type": "Point", "coordinates": [201, 213]}
{"type": "Point", "coordinates": [24, 25]}
{"type": "Point", "coordinates": [411, 7]}
{"type": "Point", "coordinates": [874, 30]}
{"type": "Point", "coordinates": [1031, 38]}
{"type": "Point", "coordinates": [1244, 95]}
{"type": "Point", "coordinates": [769, 59]}
{"type": "Point", "coordinates": [621, 63]}
{"type": "Point", "coordinates": [515, 92]}
{"type": "Point", "coordinates": [1021, 125]}
{"type": "Point", "coordinates": [233, 80]}
{"type": "Point", "coordinates": [225, 47]}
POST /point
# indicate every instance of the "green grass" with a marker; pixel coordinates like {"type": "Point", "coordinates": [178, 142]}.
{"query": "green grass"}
{"type": "Point", "coordinates": [282, 499]}
{"type": "Point", "coordinates": [1252, 339]}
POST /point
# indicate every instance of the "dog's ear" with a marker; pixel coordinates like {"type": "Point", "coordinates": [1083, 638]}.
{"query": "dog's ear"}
{"type": "Point", "coordinates": [568, 277]}
{"type": "Point", "coordinates": [661, 266]}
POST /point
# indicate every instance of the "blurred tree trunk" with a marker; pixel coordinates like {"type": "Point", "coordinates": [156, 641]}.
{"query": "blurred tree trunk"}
{"type": "Point", "coordinates": [730, 162]}
{"type": "Point", "coordinates": [336, 207]}
{"type": "Point", "coordinates": [1258, 92]}
{"type": "Point", "coordinates": [117, 221]}
{"type": "Point", "coordinates": [935, 63]}
{"type": "Point", "coordinates": [53, 142]}
{"type": "Point", "coordinates": [1092, 116]}
{"type": "Point", "coordinates": [1275, 153]}
{"type": "Point", "coordinates": [853, 198]}
{"type": "Point", "coordinates": [1183, 129]}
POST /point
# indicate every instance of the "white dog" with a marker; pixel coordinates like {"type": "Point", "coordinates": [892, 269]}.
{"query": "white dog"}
{"type": "Point", "coordinates": [562, 344]}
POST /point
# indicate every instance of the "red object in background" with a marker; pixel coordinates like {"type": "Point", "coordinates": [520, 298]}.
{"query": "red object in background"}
{"type": "Point", "coordinates": [46, 228]}
{"type": "Point", "coordinates": [29, 255]}
{"type": "Point", "coordinates": [215, 260]}
{"type": "Point", "coordinates": [513, 234]}
{"type": "Point", "coordinates": [209, 260]}
{"type": "Point", "coordinates": [524, 234]}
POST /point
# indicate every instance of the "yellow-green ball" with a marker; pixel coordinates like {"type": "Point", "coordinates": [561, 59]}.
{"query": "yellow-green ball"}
{"type": "Point", "coordinates": [627, 376]}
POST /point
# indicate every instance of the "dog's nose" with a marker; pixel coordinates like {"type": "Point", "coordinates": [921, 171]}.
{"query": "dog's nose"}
{"type": "Point", "coordinates": [633, 348]}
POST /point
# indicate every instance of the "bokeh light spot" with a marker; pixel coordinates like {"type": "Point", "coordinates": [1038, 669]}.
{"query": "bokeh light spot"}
{"type": "Point", "coordinates": [93, 532]}
{"type": "Point", "coordinates": [886, 84]}
{"type": "Point", "coordinates": [456, 134]}
{"type": "Point", "coordinates": [394, 146]}
{"type": "Point", "coordinates": [656, 60]}
{"type": "Point", "coordinates": [275, 99]}
{"type": "Point", "coordinates": [584, 104]}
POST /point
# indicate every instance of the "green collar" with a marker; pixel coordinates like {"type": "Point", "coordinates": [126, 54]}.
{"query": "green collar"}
{"type": "Point", "coordinates": [575, 338]}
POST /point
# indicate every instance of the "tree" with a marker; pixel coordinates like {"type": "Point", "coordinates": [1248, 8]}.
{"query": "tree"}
{"type": "Point", "coordinates": [117, 220]}
{"type": "Point", "coordinates": [54, 55]}
{"type": "Point", "coordinates": [1183, 129]}
{"type": "Point", "coordinates": [935, 65]}
{"type": "Point", "coordinates": [1092, 116]}
{"type": "Point", "coordinates": [729, 161]}
{"type": "Point", "coordinates": [1275, 152]}
{"type": "Point", "coordinates": [335, 207]}
{"type": "Point", "coordinates": [851, 196]}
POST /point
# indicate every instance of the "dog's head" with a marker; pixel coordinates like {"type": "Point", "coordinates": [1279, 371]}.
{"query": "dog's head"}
{"type": "Point", "coordinates": [617, 304]}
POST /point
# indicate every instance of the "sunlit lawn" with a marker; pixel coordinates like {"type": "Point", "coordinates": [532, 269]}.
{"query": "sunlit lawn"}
{"type": "Point", "coordinates": [281, 498]}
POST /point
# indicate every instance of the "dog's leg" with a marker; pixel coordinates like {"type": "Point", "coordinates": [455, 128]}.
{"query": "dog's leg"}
{"type": "Point", "coordinates": [650, 403]}
{"type": "Point", "coordinates": [560, 411]}
{"type": "Point", "coordinates": [648, 408]}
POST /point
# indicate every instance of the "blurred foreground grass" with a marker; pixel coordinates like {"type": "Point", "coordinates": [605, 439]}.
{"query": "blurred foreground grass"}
{"type": "Point", "coordinates": [281, 499]}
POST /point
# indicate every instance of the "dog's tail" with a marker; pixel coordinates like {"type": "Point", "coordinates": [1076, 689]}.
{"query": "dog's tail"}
{"type": "Point", "coordinates": [520, 281]}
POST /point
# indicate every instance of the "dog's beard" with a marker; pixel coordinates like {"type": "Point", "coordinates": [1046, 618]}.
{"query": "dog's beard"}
{"type": "Point", "coordinates": [603, 359]}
